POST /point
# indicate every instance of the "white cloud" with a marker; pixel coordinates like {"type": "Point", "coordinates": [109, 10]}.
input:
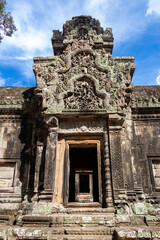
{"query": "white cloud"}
{"type": "Point", "coordinates": [17, 84]}
{"type": "Point", "coordinates": [126, 19]}
{"type": "Point", "coordinates": [32, 35]}
{"type": "Point", "coordinates": [23, 58]}
{"type": "Point", "coordinates": [29, 41]}
{"type": "Point", "coordinates": [96, 4]}
{"type": "Point", "coordinates": [158, 80]}
{"type": "Point", "coordinates": [36, 19]}
{"type": "Point", "coordinates": [2, 81]}
{"type": "Point", "coordinates": [153, 7]}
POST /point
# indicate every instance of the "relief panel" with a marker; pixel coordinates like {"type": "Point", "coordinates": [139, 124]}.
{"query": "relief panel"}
{"type": "Point", "coordinates": [156, 173]}
{"type": "Point", "coordinates": [7, 171]}
{"type": "Point", "coordinates": [9, 176]}
{"type": "Point", "coordinates": [154, 163]}
{"type": "Point", "coordinates": [74, 125]}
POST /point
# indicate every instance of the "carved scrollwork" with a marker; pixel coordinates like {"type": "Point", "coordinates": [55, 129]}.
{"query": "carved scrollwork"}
{"type": "Point", "coordinates": [51, 122]}
{"type": "Point", "coordinates": [117, 171]}
{"type": "Point", "coordinates": [83, 97]}
{"type": "Point", "coordinates": [72, 125]}
{"type": "Point", "coordinates": [84, 55]}
{"type": "Point", "coordinates": [83, 59]}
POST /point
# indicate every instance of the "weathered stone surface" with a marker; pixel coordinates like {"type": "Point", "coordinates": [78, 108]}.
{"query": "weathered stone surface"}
{"type": "Point", "coordinates": [123, 220]}
{"type": "Point", "coordinates": [137, 221]}
{"type": "Point", "coordinates": [139, 209]}
{"type": "Point", "coordinates": [125, 234]}
{"type": "Point", "coordinates": [144, 234]}
{"type": "Point", "coordinates": [146, 96]}
{"type": "Point", "coordinates": [84, 116]}
{"type": "Point", "coordinates": [84, 76]}
{"type": "Point", "coordinates": [42, 208]}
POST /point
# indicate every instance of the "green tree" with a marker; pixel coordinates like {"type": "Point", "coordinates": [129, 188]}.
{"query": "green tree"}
{"type": "Point", "coordinates": [7, 26]}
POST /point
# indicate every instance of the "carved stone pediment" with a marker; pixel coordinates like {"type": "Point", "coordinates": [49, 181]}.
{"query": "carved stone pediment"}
{"type": "Point", "coordinates": [84, 76]}
{"type": "Point", "coordinates": [84, 96]}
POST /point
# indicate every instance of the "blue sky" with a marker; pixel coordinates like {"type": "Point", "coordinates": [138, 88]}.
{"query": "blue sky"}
{"type": "Point", "coordinates": [135, 25]}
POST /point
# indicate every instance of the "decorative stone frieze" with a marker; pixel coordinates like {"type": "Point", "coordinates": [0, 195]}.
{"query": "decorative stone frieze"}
{"type": "Point", "coordinates": [82, 126]}
{"type": "Point", "coordinates": [146, 97]}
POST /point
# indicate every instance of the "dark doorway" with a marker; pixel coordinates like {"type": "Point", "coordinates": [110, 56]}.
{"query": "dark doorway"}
{"type": "Point", "coordinates": [84, 159]}
{"type": "Point", "coordinates": [84, 183]}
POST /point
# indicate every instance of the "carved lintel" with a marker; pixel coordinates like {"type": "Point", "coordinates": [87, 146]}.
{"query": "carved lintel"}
{"type": "Point", "coordinates": [82, 126]}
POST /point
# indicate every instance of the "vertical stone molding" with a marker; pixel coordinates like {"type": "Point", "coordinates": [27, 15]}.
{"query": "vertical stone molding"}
{"type": "Point", "coordinates": [116, 160]}
{"type": "Point", "coordinates": [50, 157]}
{"type": "Point", "coordinates": [107, 170]}
{"type": "Point", "coordinates": [39, 150]}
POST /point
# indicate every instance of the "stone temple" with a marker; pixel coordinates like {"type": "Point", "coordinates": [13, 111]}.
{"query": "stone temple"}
{"type": "Point", "coordinates": [80, 152]}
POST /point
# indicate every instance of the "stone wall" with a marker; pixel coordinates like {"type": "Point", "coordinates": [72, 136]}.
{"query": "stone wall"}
{"type": "Point", "coordinates": [146, 146]}
{"type": "Point", "coordinates": [10, 155]}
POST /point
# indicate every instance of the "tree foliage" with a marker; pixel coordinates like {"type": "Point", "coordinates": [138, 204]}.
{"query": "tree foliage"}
{"type": "Point", "coordinates": [7, 26]}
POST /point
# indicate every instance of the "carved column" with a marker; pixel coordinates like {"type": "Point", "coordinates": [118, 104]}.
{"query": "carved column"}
{"type": "Point", "coordinates": [107, 169]}
{"type": "Point", "coordinates": [50, 158]}
{"type": "Point", "coordinates": [39, 150]}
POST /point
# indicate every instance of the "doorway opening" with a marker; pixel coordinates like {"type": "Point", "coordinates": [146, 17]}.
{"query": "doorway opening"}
{"type": "Point", "coordinates": [83, 177]}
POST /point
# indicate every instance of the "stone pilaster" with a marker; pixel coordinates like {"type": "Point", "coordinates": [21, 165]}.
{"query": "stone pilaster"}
{"type": "Point", "coordinates": [50, 158]}
{"type": "Point", "coordinates": [115, 125]}
{"type": "Point", "coordinates": [39, 150]}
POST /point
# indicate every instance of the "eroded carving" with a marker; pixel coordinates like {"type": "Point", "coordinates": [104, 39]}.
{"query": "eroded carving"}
{"type": "Point", "coordinates": [83, 97]}
{"type": "Point", "coordinates": [82, 126]}
{"type": "Point", "coordinates": [50, 157]}
{"type": "Point", "coordinates": [117, 171]}
{"type": "Point", "coordinates": [59, 78]}
{"type": "Point", "coordinates": [52, 122]}
{"type": "Point", "coordinates": [156, 173]}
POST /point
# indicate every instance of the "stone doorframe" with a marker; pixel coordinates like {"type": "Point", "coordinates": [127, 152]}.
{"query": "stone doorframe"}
{"type": "Point", "coordinates": [61, 187]}
{"type": "Point", "coordinates": [83, 129]}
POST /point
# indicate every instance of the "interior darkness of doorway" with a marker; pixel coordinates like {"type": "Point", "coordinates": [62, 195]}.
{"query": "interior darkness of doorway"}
{"type": "Point", "coordinates": [85, 159]}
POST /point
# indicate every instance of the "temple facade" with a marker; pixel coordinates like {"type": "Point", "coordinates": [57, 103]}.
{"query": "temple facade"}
{"type": "Point", "coordinates": [80, 152]}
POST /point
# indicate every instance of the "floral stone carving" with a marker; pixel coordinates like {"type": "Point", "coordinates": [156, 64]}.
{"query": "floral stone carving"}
{"type": "Point", "coordinates": [83, 74]}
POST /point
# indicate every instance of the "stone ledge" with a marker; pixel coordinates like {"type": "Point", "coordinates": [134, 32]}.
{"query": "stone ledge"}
{"type": "Point", "coordinates": [15, 233]}
{"type": "Point", "coordinates": [136, 233]}
{"type": "Point", "coordinates": [36, 220]}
